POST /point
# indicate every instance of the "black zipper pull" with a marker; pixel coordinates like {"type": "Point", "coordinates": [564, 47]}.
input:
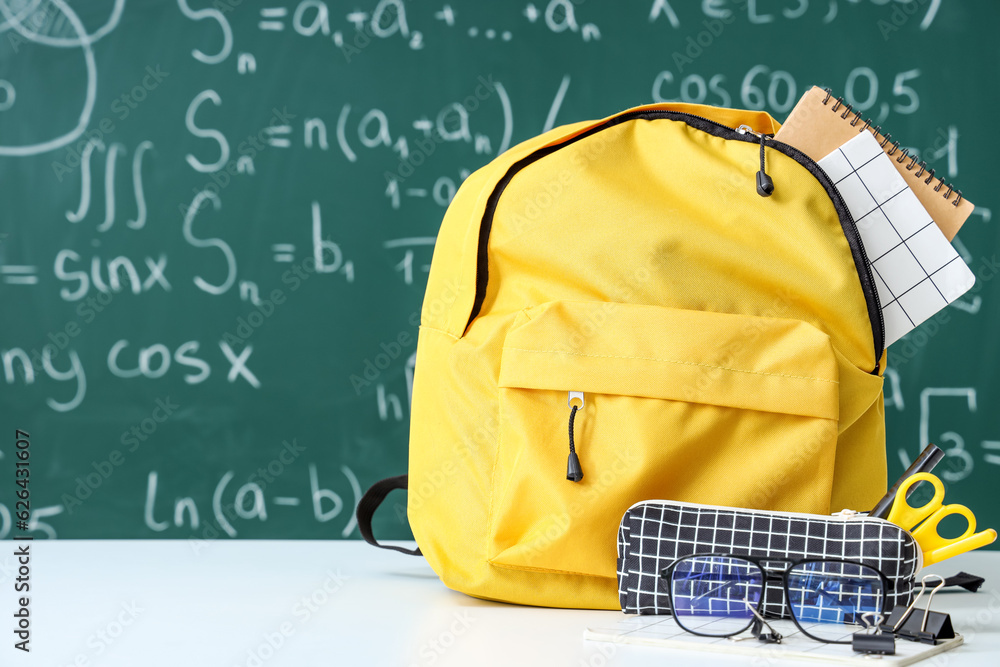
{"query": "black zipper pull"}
{"type": "Point", "coordinates": [574, 472]}
{"type": "Point", "coordinates": [765, 186]}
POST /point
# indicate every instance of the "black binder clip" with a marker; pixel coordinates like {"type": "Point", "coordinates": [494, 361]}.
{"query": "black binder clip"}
{"type": "Point", "coordinates": [929, 627]}
{"type": "Point", "coordinates": [878, 642]}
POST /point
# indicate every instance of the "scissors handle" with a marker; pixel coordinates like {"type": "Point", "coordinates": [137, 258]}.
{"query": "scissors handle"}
{"type": "Point", "coordinates": [980, 539]}
{"type": "Point", "coordinates": [905, 515]}
{"type": "Point", "coordinates": [927, 535]}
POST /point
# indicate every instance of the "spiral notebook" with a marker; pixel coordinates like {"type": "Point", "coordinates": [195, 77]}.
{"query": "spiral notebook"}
{"type": "Point", "coordinates": [820, 123]}
{"type": "Point", "coordinates": [917, 272]}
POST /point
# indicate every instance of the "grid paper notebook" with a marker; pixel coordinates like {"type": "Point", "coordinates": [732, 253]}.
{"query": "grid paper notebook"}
{"type": "Point", "coordinates": [917, 271]}
{"type": "Point", "coordinates": [663, 631]}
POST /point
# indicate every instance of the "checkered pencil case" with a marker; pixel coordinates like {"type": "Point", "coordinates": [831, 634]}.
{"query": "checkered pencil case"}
{"type": "Point", "coordinates": [655, 533]}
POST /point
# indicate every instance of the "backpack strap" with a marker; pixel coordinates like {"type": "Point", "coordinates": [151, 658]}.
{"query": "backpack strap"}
{"type": "Point", "coordinates": [369, 503]}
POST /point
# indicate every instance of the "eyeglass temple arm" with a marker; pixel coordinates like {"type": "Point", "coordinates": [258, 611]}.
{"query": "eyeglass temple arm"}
{"type": "Point", "coordinates": [719, 588]}
{"type": "Point", "coordinates": [832, 597]}
{"type": "Point", "coordinates": [773, 637]}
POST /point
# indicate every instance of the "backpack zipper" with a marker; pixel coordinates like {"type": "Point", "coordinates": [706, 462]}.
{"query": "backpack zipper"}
{"type": "Point", "coordinates": [861, 263]}
{"type": "Point", "coordinates": [765, 186]}
{"type": "Point", "coordinates": [574, 472]}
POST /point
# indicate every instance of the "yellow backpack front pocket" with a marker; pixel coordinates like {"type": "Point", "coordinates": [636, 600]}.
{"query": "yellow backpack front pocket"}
{"type": "Point", "coordinates": [685, 405]}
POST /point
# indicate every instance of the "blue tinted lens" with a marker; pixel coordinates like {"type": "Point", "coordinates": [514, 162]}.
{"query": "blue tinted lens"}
{"type": "Point", "coordinates": [712, 595]}
{"type": "Point", "coordinates": [829, 598]}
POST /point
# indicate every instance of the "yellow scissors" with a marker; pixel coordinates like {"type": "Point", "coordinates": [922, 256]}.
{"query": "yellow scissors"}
{"type": "Point", "coordinates": [922, 522]}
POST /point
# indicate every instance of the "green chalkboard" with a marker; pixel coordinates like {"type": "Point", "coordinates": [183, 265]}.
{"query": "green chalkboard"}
{"type": "Point", "coordinates": [216, 220]}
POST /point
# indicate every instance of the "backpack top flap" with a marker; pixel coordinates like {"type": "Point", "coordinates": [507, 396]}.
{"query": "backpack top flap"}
{"type": "Point", "coordinates": [675, 179]}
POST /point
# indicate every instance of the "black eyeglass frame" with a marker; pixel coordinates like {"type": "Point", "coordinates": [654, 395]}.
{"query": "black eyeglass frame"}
{"type": "Point", "coordinates": [772, 575]}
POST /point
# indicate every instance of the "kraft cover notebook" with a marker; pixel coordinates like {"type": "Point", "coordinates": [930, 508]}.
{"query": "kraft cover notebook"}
{"type": "Point", "coordinates": [820, 123]}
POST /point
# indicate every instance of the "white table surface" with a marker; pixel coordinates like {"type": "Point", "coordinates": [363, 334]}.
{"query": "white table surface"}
{"type": "Point", "coordinates": [147, 603]}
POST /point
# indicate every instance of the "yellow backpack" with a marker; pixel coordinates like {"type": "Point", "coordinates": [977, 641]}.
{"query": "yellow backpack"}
{"type": "Point", "coordinates": [668, 301]}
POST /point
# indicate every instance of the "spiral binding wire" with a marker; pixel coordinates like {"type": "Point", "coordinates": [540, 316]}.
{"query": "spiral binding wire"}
{"type": "Point", "coordinates": [903, 153]}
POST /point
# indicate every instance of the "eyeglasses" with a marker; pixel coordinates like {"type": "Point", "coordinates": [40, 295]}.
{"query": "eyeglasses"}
{"type": "Point", "coordinates": [721, 595]}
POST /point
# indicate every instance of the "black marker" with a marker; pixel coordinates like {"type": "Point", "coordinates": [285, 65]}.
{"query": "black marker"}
{"type": "Point", "coordinates": [928, 458]}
